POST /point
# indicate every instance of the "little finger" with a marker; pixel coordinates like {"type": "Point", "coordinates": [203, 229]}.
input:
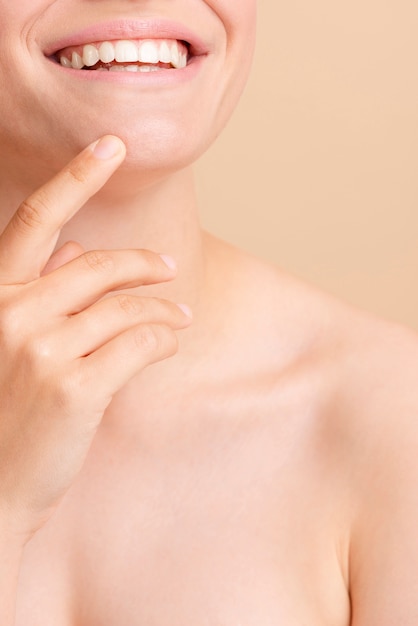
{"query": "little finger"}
{"type": "Point", "coordinates": [114, 364]}
{"type": "Point", "coordinates": [89, 330]}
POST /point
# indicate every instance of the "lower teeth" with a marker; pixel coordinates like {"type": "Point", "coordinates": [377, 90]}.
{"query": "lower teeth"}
{"type": "Point", "coordinates": [130, 68]}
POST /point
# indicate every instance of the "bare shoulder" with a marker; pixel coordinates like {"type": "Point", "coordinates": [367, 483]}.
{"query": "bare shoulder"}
{"type": "Point", "coordinates": [364, 430]}
{"type": "Point", "coordinates": [366, 351]}
{"type": "Point", "coordinates": [357, 377]}
{"type": "Point", "coordinates": [378, 416]}
{"type": "Point", "coordinates": [361, 372]}
{"type": "Point", "coordinates": [366, 367]}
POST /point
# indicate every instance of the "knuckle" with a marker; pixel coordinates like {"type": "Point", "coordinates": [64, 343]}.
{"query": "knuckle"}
{"type": "Point", "coordinates": [99, 261]}
{"type": "Point", "coordinates": [147, 338]}
{"type": "Point", "coordinates": [31, 213]}
{"type": "Point", "coordinates": [39, 353]}
{"type": "Point", "coordinates": [157, 340]}
{"type": "Point", "coordinates": [63, 392]}
{"type": "Point", "coordinates": [130, 305]}
{"type": "Point", "coordinates": [77, 173]}
{"type": "Point", "coordinates": [11, 322]}
{"type": "Point", "coordinates": [67, 390]}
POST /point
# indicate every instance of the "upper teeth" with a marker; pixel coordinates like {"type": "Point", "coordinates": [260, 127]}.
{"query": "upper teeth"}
{"type": "Point", "coordinates": [150, 51]}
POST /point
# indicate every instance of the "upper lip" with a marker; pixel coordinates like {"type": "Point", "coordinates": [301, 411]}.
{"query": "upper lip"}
{"type": "Point", "coordinates": [156, 28]}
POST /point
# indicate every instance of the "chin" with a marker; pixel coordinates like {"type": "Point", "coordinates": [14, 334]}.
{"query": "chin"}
{"type": "Point", "coordinates": [155, 143]}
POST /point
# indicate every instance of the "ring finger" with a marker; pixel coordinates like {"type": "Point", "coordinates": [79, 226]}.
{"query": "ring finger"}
{"type": "Point", "coordinates": [90, 329]}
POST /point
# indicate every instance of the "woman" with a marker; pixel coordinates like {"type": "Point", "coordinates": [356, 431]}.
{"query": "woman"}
{"type": "Point", "coordinates": [267, 473]}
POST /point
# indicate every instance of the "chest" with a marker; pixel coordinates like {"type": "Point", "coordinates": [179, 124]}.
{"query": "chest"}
{"type": "Point", "coordinates": [215, 536]}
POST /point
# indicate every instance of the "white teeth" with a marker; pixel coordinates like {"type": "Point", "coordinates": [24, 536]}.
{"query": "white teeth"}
{"type": "Point", "coordinates": [77, 61]}
{"type": "Point", "coordinates": [65, 62]}
{"type": "Point", "coordinates": [149, 51]}
{"type": "Point", "coordinates": [175, 56]}
{"type": "Point", "coordinates": [90, 55]}
{"type": "Point", "coordinates": [165, 54]}
{"type": "Point", "coordinates": [107, 52]}
{"type": "Point", "coordinates": [126, 51]}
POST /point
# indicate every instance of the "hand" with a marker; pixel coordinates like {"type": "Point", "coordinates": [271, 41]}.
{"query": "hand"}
{"type": "Point", "coordinates": [65, 349]}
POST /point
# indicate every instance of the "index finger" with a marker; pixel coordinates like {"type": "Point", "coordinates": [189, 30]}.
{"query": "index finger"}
{"type": "Point", "coordinates": [29, 238]}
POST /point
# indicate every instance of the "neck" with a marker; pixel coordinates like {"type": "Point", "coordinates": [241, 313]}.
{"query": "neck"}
{"type": "Point", "coordinates": [131, 213]}
{"type": "Point", "coordinates": [161, 217]}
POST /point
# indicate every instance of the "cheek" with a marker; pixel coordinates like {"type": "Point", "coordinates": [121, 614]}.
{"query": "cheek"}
{"type": "Point", "coordinates": [38, 113]}
{"type": "Point", "coordinates": [239, 18]}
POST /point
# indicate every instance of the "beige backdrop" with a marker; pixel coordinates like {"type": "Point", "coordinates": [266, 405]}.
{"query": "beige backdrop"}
{"type": "Point", "coordinates": [317, 171]}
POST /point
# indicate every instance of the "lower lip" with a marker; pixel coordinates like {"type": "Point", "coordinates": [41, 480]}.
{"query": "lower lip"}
{"type": "Point", "coordinates": [159, 78]}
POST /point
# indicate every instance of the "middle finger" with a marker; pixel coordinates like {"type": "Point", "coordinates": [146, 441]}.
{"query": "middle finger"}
{"type": "Point", "coordinates": [87, 331]}
{"type": "Point", "coordinates": [81, 282]}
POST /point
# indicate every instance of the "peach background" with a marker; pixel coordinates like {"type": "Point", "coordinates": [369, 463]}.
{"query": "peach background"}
{"type": "Point", "coordinates": [317, 171]}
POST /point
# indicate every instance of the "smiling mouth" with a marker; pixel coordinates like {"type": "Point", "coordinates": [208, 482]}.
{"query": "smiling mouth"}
{"type": "Point", "coordinates": [142, 55]}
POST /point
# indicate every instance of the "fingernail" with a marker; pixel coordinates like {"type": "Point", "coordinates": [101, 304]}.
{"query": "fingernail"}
{"type": "Point", "coordinates": [186, 309]}
{"type": "Point", "coordinates": [106, 147]}
{"type": "Point", "coordinates": [169, 261]}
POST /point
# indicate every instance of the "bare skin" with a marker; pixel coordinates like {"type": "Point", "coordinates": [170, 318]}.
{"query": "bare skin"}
{"type": "Point", "coordinates": [237, 482]}
{"type": "Point", "coordinates": [256, 465]}
{"type": "Point", "coordinates": [232, 494]}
